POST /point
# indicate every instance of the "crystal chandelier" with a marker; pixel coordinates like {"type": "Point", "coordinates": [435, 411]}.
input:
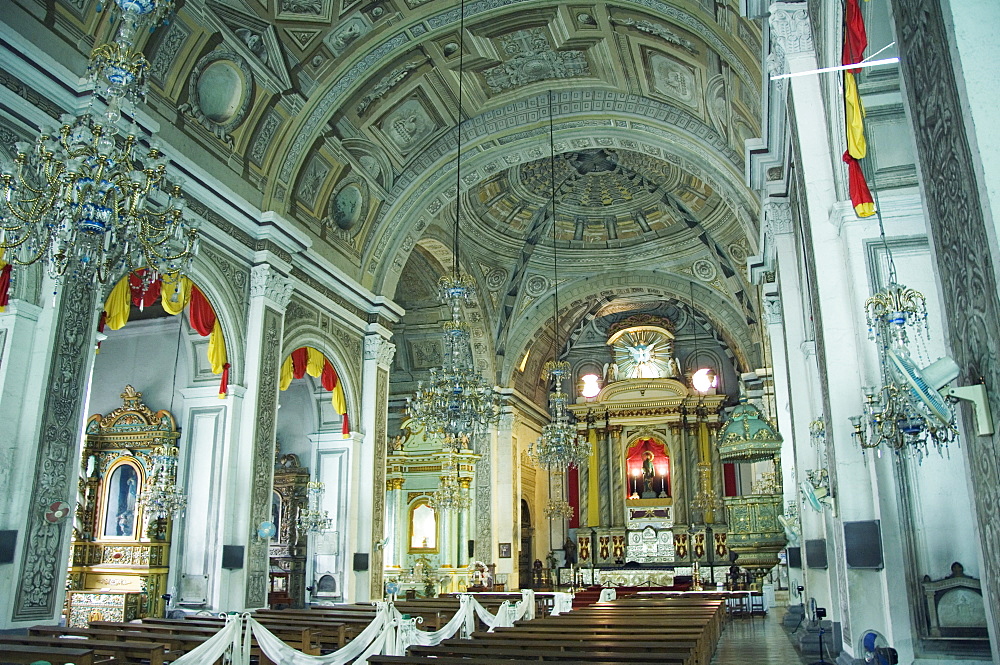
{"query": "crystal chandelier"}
{"type": "Point", "coordinates": [313, 519]}
{"type": "Point", "coordinates": [906, 412]}
{"type": "Point", "coordinates": [559, 447]}
{"type": "Point", "coordinates": [558, 509]}
{"type": "Point", "coordinates": [163, 497]}
{"type": "Point", "coordinates": [456, 404]}
{"type": "Point", "coordinates": [450, 494]}
{"type": "Point", "coordinates": [90, 201]}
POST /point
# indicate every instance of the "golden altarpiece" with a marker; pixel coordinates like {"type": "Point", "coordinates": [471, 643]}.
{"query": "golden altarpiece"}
{"type": "Point", "coordinates": [119, 557]}
{"type": "Point", "coordinates": [652, 468]}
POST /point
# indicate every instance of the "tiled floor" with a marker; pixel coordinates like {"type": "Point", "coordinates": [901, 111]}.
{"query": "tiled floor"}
{"type": "Point", "coordinates": [757, 641]}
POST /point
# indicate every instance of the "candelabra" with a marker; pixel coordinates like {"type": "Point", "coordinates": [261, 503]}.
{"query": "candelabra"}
{"type": "Point", "coordinates": [91, 202]}
{"type": "Point", "coordinates": [705, 499]}
{"type": "Point", "coordinates": [162, 497]}
{"type": "Point", "coordinates": [313, 519]}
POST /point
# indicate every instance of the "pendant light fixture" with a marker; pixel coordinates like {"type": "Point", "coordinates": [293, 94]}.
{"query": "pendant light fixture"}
{"type": "Point", "coordinates": [559, 447]}
{"type": "Point", "coordinates": [456, 405]}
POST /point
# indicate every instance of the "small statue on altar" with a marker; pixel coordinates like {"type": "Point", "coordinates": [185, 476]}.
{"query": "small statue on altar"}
{"type": "Point", "coordinates": [647, 475]}
{"type": "Point", "coordinates": [569, 548]}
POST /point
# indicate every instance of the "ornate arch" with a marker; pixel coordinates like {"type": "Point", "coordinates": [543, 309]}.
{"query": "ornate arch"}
{"type": "Point", "coordinates": [724, 315]}
{"type": "Point", "coordinates": [300, 334]}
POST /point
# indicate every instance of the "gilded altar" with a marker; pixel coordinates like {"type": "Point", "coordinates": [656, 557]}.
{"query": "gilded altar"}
{"type": "Point", "coordinates": [119, 556]}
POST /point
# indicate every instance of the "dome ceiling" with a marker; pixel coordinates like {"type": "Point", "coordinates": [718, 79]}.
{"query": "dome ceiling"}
{"type": "Point", "coordinates": [604, 198]}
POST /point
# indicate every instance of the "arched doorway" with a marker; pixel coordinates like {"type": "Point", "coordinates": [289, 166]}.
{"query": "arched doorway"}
{"type": "Point", "coordinates": [524, 555]}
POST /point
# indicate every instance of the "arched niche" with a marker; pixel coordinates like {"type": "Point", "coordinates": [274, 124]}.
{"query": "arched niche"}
{"type": "Point", "coordinates": [422, 531]}
{"type": "Point", "coordinates": [647, 466]}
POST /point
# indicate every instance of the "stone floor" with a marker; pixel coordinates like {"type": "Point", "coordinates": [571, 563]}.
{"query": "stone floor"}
{"type": "Point", "coordinates": [757, 641]}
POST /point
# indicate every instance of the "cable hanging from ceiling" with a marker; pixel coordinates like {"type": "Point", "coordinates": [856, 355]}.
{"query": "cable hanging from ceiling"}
{"type": "Point", "coordinates": [456, 404]}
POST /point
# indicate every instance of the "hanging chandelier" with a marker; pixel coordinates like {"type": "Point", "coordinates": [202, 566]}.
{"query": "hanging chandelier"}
{"type": "Point", "coordinates": [163, 497]}
{"type": "Point", "coordinates": [450, 495]}
{"type": "Point", "coordinates": [89, 200]}
{"type": "Point", "coordinates": [905, 413]}
{"type": "Point", "coordinates": [560, 446]}
{"type": "Point", "coordinates": [558, 509]}
{"type": "Point", "coordinates": [456, 404]}
{"type": "Point", "coordinates": [313, 519]}
{"type": "Point", "coordinates": [705, 499]}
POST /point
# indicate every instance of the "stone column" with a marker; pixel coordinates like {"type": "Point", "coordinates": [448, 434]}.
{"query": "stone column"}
{"type": "Point", "coordinates": [369, 514]}
{"type": "Point", "coordinates": [616, 465]}
{"type": "Point", "coordinates": [954, 122]}
{"type": "Point", "coordinates": [251, 454]}
{"type": "Point", "coordinates": [504, 498]}
{"type": "Point", "coordinates": [837, 342]}
{"type": "Point", "coordinates": [396, 531]}
{"type": "Point", "coordinates": [63, 354]}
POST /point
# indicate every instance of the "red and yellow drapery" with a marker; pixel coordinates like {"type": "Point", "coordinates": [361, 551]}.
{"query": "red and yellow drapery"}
{"type": "Point", "coordinates": [855, 43]}
{"type": "Point", "coordinates": [307, 360]}
{"type": "Point", "coordinates": [175, 292]}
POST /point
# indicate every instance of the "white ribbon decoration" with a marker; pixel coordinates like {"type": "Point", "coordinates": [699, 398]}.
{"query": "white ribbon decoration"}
{"type": "Point", "coordinates": [562, 602]}
{"type": "Point", "coordinates": [607, 594]}
{"type": "Point", "coordinates": [212, 649]}
{"type": "Point", "coordinates": [375, 638]}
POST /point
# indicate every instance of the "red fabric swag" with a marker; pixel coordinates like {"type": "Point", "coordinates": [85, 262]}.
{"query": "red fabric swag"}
{"type": "Point", "coordinates": [300, 357]}
{"type": "Point", "coordinates": [346, 429]}
{"type": "Point", "coordinates": [224, 383]}
{"type": "Point", "coordinates": [860, 194]}
{"type": "Point", "coordinates": [200, 313]}
{"type": "Point", "coordinates": [5, 285]}
{"type": "Point", "coordinates": [329, 376]}
{"type": "Point", "coordinates": [142, 298]}
{"type": "Point", "coordinates": [855, 37]}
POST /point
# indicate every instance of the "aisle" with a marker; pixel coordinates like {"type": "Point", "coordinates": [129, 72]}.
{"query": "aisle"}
{"type": "Point", "coordinates": [757, 641]}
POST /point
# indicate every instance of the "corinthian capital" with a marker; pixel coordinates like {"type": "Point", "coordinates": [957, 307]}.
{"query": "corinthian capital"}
{"type": "Point", "coordinates": [777, 218]}
{"type": "Point", "coordinates": [790, 30]}
{"type": "Point", "coordinates": [268, 283]}
{"type": "Point", "coordinates": [379, 349]}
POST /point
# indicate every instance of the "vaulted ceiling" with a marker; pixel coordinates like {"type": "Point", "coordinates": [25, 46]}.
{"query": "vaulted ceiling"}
{"type": "Point", "coordinates": [340, 115]}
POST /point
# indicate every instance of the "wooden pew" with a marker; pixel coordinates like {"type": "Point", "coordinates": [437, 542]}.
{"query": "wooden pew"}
{"type": "Point", "coordinates": [175, 644]}
{"type": "Point", "coordinates": [474, 649]}
{"type": "Point", "coordinates": [122, 652]}
{"type": "Point", "coordinates": [16, 653]}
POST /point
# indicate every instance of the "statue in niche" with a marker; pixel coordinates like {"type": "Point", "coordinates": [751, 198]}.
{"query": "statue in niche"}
{"type": "Point", "coordinates": [647, 475]}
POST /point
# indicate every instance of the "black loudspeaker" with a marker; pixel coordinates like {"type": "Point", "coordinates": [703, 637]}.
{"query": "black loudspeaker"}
{"type": "Point", "coordinates": [794, 557]}
{"type": "Point", "coordinates": [816, 553]}
{"type": "Point", "coordinates": [360, 562]}
{"type": "Point", "coordinates": [232, 557]}
{"type": "Point", "coordinates": [863, 544]}
{"type": "Point", "coordinates": [8, 542]}
{"type": "Point", "coordinates": [472, 548]}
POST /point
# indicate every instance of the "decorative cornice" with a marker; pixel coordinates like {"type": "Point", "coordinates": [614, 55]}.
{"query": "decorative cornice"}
{"type": "Point", "coordinates": [266, 282]}
{"type": "Point", "coordinates": [791, 33]}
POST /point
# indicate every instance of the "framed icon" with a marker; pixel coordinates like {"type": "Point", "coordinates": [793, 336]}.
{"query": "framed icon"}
{"type": "Point", "coordinates": [504, 550]}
